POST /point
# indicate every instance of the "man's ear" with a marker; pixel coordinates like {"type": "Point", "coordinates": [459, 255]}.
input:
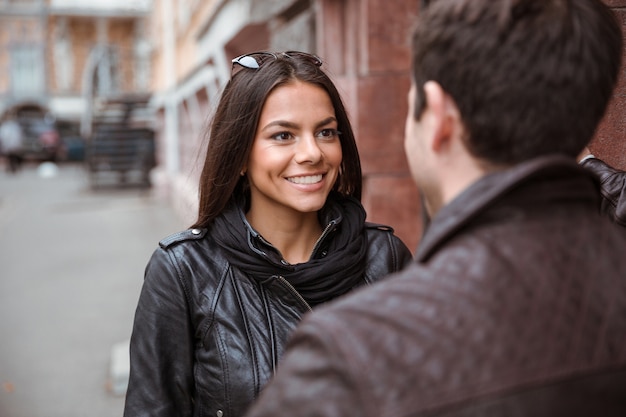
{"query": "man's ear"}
{"type": "Point", "coordinates": [442, 110]}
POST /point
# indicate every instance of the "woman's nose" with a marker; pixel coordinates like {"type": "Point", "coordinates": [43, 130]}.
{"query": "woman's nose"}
{"type": "Point", "coordinates": [308, 150]}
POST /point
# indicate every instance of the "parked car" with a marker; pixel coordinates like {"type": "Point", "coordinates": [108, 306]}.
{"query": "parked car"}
{"type": "Point", "coordinates": [41, 140]}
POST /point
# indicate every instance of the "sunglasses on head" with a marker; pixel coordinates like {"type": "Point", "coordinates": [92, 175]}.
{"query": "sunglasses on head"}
{"type": "Point", "coordinates": [255, 60]}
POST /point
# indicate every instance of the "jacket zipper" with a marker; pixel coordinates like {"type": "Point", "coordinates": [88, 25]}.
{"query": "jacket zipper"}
{"type": "Point", "coordinates": [325, 233]}
{"type": "Point", "coordinates": [294, 291]}
{"type": "Point", "coordinates": [282, 279]}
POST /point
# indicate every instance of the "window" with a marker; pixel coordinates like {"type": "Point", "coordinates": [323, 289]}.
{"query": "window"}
{"type": "Point", "coordinates": [27, 77]}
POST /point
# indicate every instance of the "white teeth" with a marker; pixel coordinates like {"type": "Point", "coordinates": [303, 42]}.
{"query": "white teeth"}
{"type": "Point", "coordinates": [312, 179]}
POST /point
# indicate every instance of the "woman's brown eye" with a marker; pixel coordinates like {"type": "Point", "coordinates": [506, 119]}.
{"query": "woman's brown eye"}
{"type": "Point", "coordinates": [282, 136]}
{"type": "Point", "coordinates": [329, 133]}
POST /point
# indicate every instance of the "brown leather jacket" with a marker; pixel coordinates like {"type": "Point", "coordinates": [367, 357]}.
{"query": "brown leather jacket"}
{"type": "Point", "coordinates": [612, 188]}
{"type": "Point", "coordinates": [516, 306]}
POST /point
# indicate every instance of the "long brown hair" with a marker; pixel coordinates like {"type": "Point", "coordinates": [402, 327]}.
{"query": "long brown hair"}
{"type": "Point", "coordinates": [234, 126]}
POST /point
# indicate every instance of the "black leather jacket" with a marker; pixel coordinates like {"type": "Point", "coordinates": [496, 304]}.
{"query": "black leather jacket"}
{"type": "Point", "coordinates": [612, 188]}
{"type": "Point", "coordinates": [208, 335]}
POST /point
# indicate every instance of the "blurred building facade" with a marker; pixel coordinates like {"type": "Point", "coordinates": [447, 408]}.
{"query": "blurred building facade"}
{"type": "Point", "coordinates": [56, 56]}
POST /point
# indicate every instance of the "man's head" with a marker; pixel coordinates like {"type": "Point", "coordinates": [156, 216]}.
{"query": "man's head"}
{"type": "Point", "coordinates": [527, 77]}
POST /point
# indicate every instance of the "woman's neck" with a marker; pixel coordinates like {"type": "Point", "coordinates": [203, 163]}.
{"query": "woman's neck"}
{"type": "Point", "coordinates": [294, 236]}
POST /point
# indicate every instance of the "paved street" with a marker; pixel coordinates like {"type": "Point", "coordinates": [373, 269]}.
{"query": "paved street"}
{"type": "Point", "coordinates": [71, 267]}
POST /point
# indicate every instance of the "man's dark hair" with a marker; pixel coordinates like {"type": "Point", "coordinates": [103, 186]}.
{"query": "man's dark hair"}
{"type": "Point", "coordinates": [530, 77]}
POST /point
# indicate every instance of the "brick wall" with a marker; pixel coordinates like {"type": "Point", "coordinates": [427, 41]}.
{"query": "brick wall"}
{"type": "Point", "coordinates": [366, 46]}
{"type": "Point", "coordinates": [609, 142]}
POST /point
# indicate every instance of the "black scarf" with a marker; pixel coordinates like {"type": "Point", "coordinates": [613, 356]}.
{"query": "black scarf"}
{"type": "Point", "coordinates": [337, 267]}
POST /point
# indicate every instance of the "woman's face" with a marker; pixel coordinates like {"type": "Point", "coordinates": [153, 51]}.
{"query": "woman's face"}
{"type": "Point", "coordinates": [296, 154]}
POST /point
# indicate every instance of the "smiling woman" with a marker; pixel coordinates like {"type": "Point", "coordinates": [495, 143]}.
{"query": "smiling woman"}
{"type": "Point", "coordinates": [293, 165]}
{"type": "Point", "coordinates": [280, 230]}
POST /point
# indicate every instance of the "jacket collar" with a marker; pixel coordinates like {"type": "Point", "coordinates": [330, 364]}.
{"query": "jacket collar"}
{"type": "Point", "coordinates": [541, 179]}
{"type": "Point", "coordinates": [331, 217]}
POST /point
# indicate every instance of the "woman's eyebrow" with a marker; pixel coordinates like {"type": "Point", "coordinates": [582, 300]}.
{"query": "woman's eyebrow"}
{"type": "Point", "coordinates": [281, 123]}
{"type": "Point", "coordinates": [326, 121]}
{"type": "Point", "coordinates": [290, 125]}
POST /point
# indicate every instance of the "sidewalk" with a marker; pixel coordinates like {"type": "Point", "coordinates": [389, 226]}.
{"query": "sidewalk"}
{"type": "Point", "coordinates": [72, 264]}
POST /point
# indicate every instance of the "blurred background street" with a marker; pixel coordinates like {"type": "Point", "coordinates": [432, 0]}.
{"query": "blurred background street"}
{"type": "Point", "coordinates": [71, 268]}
